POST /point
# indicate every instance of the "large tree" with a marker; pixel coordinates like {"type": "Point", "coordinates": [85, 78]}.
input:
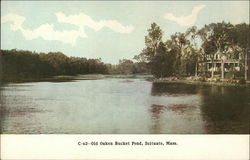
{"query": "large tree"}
{"type": "Point", "coordinates": [223, 37]}
{"type": "Point", "coordinates": [178, 44]}
{"type": "Point", "coordinates": [162, 63]}
{"type": "Point", "coordinates": [209, 48]}
{"type": "Point", "coordinates": [152, 50]}
{"type": "Point", "coordinates": [193, 36]}
{"type": "Point", "coordinates": [220, 35]}
{"type": "Point", "coordinates": [242, 40]}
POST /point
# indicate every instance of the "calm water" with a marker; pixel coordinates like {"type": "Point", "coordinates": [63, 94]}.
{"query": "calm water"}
{"type": "Point", "coordinates": [123, 106]}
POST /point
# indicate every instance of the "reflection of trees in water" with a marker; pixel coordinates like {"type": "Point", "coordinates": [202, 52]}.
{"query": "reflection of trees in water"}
{"type": "Point", "coordinates": [13, 106]}
{"type": "Point", "coordinates": [2, 109]}
{"type": "Point", "coordinates": [224, 109]}
{"type": "Point", "coordinates": [172, 89]}
{"type": "Point", "coordinates": [158, 110]}
{"type": "Point", "coordinates": [169, 89]}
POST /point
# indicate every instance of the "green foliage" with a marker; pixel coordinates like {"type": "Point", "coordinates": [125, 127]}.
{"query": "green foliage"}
{"type": "Point", "coordinates": [186, 54]}
{"type": "Point", "coordinates": [242, 81]}
{"type": "Point", "coordinates": [174, 57]}
{"type": "Point", "coordinates": [188, 61]}
{"type": "Point", "coordinates": [18, 65]}
{"type": "Point", "coordinates": [159, 63]}
{"type": "Point", "coordinates": [242, 32]}
{"type": "Point", "coordinates": [127, 66]}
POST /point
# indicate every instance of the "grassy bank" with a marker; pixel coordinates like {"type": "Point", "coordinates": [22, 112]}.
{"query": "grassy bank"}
{"type": "Point", "coordinates": [185, 81]}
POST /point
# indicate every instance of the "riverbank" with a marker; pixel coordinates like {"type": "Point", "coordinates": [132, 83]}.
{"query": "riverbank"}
{"type": "Point", "coordinates": [202, 81]}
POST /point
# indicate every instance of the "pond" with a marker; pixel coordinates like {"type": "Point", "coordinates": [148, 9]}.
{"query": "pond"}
{"type": "Point", "coordinates": [121, 106]}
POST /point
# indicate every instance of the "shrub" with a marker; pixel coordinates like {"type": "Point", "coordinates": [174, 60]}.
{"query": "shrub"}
{"type": "Point", "coordinates": [242, 81]}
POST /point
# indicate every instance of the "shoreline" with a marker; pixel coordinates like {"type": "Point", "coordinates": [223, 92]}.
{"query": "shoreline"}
{"type": "Point", "coordinates": [68, 78]}
{"type": "Point", "coordinates": [148, 77]}
{"type": "Point", "coordinates": [198, 81]}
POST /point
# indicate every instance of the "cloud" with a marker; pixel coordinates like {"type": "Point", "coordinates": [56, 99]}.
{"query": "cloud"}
{"type": "Point", "coordinates": [81, 20]}
{"type": "Point", "coordinates": [185, 20]}
{"type": "Point", "coordinates": [47, 31]}
{"type": "Point", "coordinates": [16, 19]}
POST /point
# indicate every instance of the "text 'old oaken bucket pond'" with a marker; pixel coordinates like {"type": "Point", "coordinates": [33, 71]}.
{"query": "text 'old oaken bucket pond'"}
{"type": "Point", "coordinates": [120, 106]}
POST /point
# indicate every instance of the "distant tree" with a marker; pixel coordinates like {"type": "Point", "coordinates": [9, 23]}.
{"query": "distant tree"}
{"type": "Point", "coordinates": [20, 64]}
{"type": "Point", "coordinates": [141, 67]}
{"type": "Point", "coordinates": [58, 60]}
{"type": "Point", "coordinates": [126, 66]}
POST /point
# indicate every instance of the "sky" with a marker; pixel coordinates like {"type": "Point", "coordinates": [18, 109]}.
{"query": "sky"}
{"type": "Point", "coordinates": [110, 30]}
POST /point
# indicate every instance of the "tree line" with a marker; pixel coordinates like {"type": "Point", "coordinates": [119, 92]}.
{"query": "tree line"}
{"type": "Point", "coordinates": [127, 66]}
{"type": "Point", "coordinates": [20, 64]}
{"type": "Point", "coordinates": [186, 54]}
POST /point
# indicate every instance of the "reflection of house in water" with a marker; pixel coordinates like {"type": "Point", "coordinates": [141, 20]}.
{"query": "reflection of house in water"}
{"type": "Point", "coordinates": [230, 63]}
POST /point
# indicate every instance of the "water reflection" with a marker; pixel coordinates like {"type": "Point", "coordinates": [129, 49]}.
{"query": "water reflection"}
{"type": "Point", "coordinates": [172, 89]}
{"type": "Point", "coordinates": [162, 123]}
{"type": "Point", "coordinates": [156, 115]}
{"type": "Point", "coordinates": [226, 109]}
{"type": "Point", "coordinates": [122, 106]}
{"type": "Point", "coordinates": [220, 109]}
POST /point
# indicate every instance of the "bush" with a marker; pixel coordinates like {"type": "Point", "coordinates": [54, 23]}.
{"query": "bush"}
{"type": "Point", "coordinates": [217, 79]}
{"type": "Point", "coordinates": [242, 81]}
{"type": "Point", "coordinates": [202, 79]}
{"type": "Point", "coordinates": [239, 74]}
{"type": "Point", "coordinates": [229, 75]}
